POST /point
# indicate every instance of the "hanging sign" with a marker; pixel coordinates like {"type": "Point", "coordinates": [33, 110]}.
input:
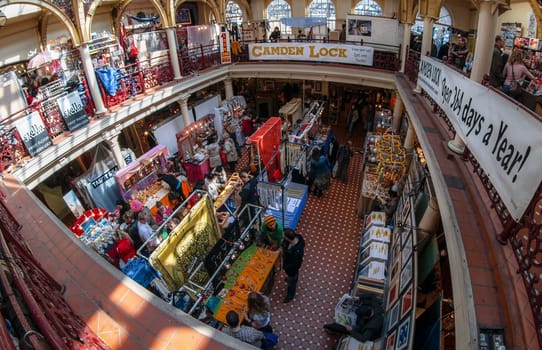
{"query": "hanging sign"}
{"type": "Point", "coordinates": [290, 51]}
{"type": "Point", "coordinates": [225, 49]}
{"type": "Point", "coordinates": [504, 138]}
{"type": "Point", "coordinates": [100, 180]}
{"type": "Point", "coordinates": [33, 133]}
{"type": "Point", "coordinates": [72, 110]}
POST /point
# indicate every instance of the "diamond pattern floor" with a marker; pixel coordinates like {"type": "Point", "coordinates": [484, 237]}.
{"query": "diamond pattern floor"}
{"type": "Point", "coordinates": [332, 231]}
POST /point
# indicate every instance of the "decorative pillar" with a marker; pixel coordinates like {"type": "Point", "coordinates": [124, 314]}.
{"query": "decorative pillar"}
{"type": "Point", "coordinates": [91, 79]}
{"type": "Point", "coordinates": [172, 44]}
{"type": "Point", "coordinates": [409, 138]}
{"type": "Point", "coordinates": [485, 38]}
{"type": "Point", "coordinates": [184, 109]}
{"type": "Point", "coordinates": [427, 39]}
{"type": "Point", "coordinates": [430, 220]}
{"type": "Point", "coordinates": [228, 86]}
{"type": "Point", "coordinates": [113, 143]}
{"type": "Point", "coordinates": [405, 45]}
{"type": "Point", "coordinates": [398, 110]}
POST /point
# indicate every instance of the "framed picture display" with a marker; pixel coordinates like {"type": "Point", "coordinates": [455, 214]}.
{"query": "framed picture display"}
{"type": "Point", "coordinates": [393, 293]}
{"type": "Point", "coordinates": [396, 267]}
{"type": "Point", "coordinates": [390, 340]}
{"type": "Point", "coordinates": [405, 213]}
{"type": "Point", "coordinates": [406, 251]}
{"type": "Point", "coordinates": [403, 335]}
{"type": "Point", "coordinates": [406, 302]}
{"type": "Point", "coordinates": [393, 316]}
{"type": "Point", "coordinates": [406, 275]}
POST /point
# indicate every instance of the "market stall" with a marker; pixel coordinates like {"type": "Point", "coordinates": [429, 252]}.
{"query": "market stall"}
{"type": "Point", "coordinates": [95, 229]}
{"type": "Point", "coordinates": [265, 143]}
{"type": "Point", "coordinates": [307, 127]}
{"type": "Point", "coordinates": [384, 165]}
{"type": "Point", "coordinates": [252, 271]}
{"type": "Point", "coordinates": [139, 179]}
{"type": "Point", "coordinates": [192, 144]}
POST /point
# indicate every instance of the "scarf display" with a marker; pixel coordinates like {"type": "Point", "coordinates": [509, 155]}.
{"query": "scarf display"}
{"type": "Point", "coordinates": [296, 157]}
{"type": "Point", "coordinates": [270, 195]}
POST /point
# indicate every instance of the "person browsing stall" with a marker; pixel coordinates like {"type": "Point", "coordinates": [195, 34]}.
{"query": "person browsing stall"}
{"type": "Point", "coordinates": [245, 334]}
{"type": "Point", "coordinates": [369, 321]}
{"type": "Point", "coordinates": [258, 314]}
{"type": "Point", "coordinates": [271, 232]}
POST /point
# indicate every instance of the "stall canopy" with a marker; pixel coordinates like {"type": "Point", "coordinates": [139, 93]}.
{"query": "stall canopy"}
{"type": "Point", "coordinates": [97, 186]}
{"type": "Point", "coordinates": [132, 168]}
{"type": "Point", "coordinates": [304, 22]}
{"type": "Point", "coordinates": [267, 138]}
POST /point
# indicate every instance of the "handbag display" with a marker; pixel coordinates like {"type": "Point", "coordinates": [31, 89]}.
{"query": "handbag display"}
{"type": "Point", "coordinates": [515, 87]}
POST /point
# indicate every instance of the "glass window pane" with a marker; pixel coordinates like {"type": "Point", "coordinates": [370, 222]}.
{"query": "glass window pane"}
{"type": "Point", "coordinates": [234, 13]}
{"type": "Point", "coordinates": [323, 8]}
{"type": "Point", "coordinates": [277, 10]}
{"type": "Point", "coordinates": [368, 8]}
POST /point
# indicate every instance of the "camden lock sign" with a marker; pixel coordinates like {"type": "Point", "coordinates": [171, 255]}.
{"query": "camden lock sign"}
{"type": "Point", "coordinates": [336, 53]}
{"type": "Point", "coordinates": [72, 110]}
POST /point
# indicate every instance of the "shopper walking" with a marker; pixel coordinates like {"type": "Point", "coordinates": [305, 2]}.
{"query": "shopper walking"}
{"type": "Point", "coordinates": [231, 153]}
{"type": "Point", "coordinates": [319, 176]}
{"type": "Point", "coordinates": [343, 161]}
{"type": "Point", "coordinates": [293, 249]}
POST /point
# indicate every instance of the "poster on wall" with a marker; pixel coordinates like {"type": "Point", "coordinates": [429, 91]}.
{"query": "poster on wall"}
{"type": "Point", "coordinates": [373, 30]}
{"type": "Point", "coordinates": [508, 32]}
{"type": "Point", "coordinates": [33, 133]}
{"type": "Point", "coordinates": [359, 27]}
{"type": "Point", "coordinates": [74, 204]}
{"type": "Point", "coordinates": [72, 110]}
{"type": "Point", "coordinates": [531, 25]}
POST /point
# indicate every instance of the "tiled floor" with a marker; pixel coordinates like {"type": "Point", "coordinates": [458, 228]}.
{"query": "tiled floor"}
{"type": "Point", "coordinates": [332, 231]}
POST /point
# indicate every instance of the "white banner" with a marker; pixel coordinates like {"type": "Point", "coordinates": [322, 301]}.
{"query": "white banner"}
{"type": "Point", "coordinates": [506, 140]}
{"type": "Point", "coordinates": [298, 51]}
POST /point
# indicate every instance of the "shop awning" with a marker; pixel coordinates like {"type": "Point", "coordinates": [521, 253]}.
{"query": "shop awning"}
{"type": "Point", "coordinates": [304, 22]}
{"type": "Point", "coordinates": [123, 174]}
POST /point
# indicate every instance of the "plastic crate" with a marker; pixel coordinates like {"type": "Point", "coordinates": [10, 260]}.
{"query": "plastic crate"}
{"type": "Point", "coordinates": [345, 311]}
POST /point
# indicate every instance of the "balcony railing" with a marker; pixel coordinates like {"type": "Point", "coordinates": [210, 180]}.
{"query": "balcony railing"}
{"type": "Point", "coordinates": [524, 236]}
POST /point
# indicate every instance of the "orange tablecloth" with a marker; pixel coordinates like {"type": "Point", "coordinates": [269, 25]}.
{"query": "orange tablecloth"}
{"type": "Point", "coordinates": [251, 278]}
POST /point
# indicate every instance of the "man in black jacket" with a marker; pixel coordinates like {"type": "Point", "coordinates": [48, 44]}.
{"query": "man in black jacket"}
{"type": "Point", "coordinates": [497, 64]}
{"type": "Point", "coordinates": [293, 249]}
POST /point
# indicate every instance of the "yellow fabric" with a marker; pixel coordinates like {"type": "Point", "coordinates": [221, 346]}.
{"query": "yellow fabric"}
{"type": "Point", "coordinates": [195, 237]}
{"type": "Point", "coordinates": [269, 220]}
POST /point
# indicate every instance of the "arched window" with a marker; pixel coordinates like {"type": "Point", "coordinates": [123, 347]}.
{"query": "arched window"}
{"type": "Point", "coordinates": [234, 14]}
{"type": "Point", "coordinates": [277, 10]}
{"type": "Point", "coordinates": [441, 31]}
{"type": "Point", "coordinates": [368, 8]}
{"type": "Point", "coordinates": [323, 8]}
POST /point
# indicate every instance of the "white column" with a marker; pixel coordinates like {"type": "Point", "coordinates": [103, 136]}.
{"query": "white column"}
{"type": "Point", "coordinates": [183, 101]}
{"type": "Point", "coordinates": [398, 110]}
{"type": "Point", "coordinates": [427, 37]}
{"type": "Point", "coordinates": [431, 217]}
{"type": "Point", "coordinates": [485, 39]}
{"type": "Point", "coordinates": [228, 87]}
{"type": "Point", "coordinates": [409, 138]}
{"type": "Point", "coordinates": [457, 145]}
{"type": "Point", "coordinates": [92, 82]}
{"type": "Point", "coordinates": [113, 143]}
{"type": "Point", "coordinates": [405, 45]}
{"type": "Point", "coordinates": [172, 43]}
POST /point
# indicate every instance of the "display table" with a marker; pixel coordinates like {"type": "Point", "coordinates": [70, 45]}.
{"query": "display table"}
{"type": "Point", "coordinates": [196, 171]}
{"type": "Point", "coordinates": [295, 203]}
{"type": "Point", "coordinates": [250, 272]}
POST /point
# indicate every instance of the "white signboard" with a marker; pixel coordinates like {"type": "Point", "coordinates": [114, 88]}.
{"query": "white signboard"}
{"type": "Point", "coordinates": [316, 52]}
{"type": "Point", "coordinates": [371, 29]}
{"type": "Point", "coordinates": [506, 140]}
{"type": "Point", "coordinates": [33, 133]}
